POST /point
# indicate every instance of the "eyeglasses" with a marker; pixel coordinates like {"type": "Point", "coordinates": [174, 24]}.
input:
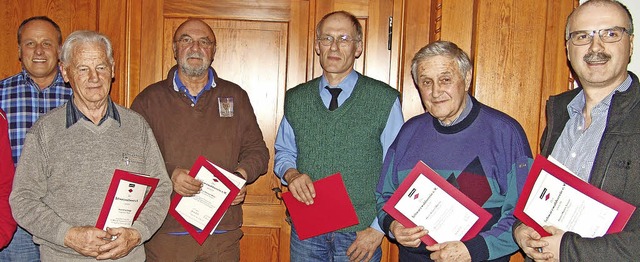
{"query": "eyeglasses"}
{"type": "Point", "coordinates": [342, 40]}
{"type": "Point", "coordinates": [609, 35]}
{"type": "Point", "coordinates": [188, 41]}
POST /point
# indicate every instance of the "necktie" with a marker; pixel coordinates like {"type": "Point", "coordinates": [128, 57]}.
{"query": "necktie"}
{"type": "Point", "coordinates": [334, 97]}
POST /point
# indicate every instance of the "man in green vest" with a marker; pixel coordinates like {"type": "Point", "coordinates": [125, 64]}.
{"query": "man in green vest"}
{"type": "Point", "coordinates": [340, 122]}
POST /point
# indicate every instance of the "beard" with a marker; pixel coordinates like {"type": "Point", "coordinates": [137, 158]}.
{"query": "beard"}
{"type": "Point", "coordinates": [194, 70]}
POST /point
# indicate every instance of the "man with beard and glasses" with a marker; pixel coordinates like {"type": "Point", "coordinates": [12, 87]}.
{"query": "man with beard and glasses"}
{"type": "Point", "coordinates": [594, 131]}
{"type": "Point", "coordinates": [194, 112]}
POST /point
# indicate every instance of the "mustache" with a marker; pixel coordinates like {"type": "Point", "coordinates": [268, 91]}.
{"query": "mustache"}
{"type": "Point", "coordinates": [596, 57]}
{"type": "Point", "coordinates": [195, 55]}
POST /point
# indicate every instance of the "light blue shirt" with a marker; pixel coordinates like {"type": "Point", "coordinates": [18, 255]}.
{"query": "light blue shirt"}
{"type": "Point", "coordinates": [287, 151]}
{"type": "Point", "coordinates": [577, 147]}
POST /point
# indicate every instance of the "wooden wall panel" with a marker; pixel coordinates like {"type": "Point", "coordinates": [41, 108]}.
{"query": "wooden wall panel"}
{"type": "Point", "coordinates": [266, 234]}
{"type": "Point", "coordinates": [112, 22]}
{"type": "Point", "coordinates": [556, 75]}
{"type": "Point", "coordinates": [378, 52]}
{"type": "Point", "coordinates": [412, 30]}
{"type": "Point", "coordinates": [265, 240]}
{"type": "Point", "coordinates": [509, 58]}
{"type": "Point", "coordinates": [457, 23]}
{"type": "Point", "coordinates": [148, 64]}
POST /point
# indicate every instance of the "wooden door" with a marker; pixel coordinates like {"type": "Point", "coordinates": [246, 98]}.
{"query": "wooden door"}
{"type": "Point", "coordinates": [266, 47]}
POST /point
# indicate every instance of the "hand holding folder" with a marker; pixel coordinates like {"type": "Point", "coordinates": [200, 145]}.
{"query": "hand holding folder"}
{"type": "Point", "coordinates": [127, 195]}
{"type": "Point", "coordinates": [553, 196]}
{"type": "Point", "coordinates": [426, 199]}
{"type": "Point", "coordinates": [331, 209]}
{"type": "Point", "coordinates": [200, 214]}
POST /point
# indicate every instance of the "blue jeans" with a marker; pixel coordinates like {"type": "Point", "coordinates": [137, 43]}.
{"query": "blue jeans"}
{"type": "Point", "coordinates": [21, 248]}
{"type": "Point", "coordinates": [330, 247]}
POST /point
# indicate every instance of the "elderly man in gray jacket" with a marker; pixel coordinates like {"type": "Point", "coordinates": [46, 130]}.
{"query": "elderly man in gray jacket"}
{"type": "Point", "coordinates": [69, 159]}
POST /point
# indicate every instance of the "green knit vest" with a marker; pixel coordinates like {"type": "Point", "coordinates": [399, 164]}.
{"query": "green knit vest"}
{"type": "Point", "coordinates": [346, 140]}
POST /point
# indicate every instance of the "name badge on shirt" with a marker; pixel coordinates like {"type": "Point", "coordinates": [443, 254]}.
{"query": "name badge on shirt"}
{"type": "Point", "coordinates": [225, 106]}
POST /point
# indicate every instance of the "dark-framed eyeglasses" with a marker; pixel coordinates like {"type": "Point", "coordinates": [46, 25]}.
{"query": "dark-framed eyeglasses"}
{"type": "Point", "coordinates": [608, 35]}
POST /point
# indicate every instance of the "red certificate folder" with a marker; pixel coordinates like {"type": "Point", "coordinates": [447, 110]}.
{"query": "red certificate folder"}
{"type": "Point", "coordinates": [121, 175]}
{"type": "Point", "coordinates": [540, 164]}
{"type": "Point", "coordinates": [201, 236]}
{"type": "Point", "coordinates": [331, 209]}
{"type": "Point", "coordinates": [421, 169]}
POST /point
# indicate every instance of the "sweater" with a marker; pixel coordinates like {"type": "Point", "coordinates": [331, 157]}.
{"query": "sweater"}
{"type": "Point", "coordinates": [185, 132]}
{"type": "Point", "coordinates": [7, 224]}
{"type": "Point", "coordinates": [64, 173]}
{"type": "Point", "coordinates": [486, 156]}
{"type": "Point", "coordinates": [346, 140]}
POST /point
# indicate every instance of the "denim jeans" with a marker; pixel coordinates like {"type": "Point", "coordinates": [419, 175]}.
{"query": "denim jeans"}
{"type": "Point", "coordinates": [330, 247]}
{"type": "Point", "coordinates": [21, 248]}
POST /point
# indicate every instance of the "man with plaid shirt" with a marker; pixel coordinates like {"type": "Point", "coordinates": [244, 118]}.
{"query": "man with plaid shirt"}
{"type": "Point", "coordinates": [26, 96]}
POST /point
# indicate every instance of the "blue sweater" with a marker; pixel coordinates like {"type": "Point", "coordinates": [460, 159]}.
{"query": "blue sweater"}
{"type": "Point", "coordinates": [486, 156]}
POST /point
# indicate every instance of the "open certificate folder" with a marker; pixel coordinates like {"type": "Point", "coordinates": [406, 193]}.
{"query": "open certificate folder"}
{"type": "Point", "coordinates": [201, 213]}
{"type": "Point", "coordinates": [426, 199]}
{"type": "Point", "coordinates": [127, 195]}
{"type": "Point", "coordinates": [553, 196]}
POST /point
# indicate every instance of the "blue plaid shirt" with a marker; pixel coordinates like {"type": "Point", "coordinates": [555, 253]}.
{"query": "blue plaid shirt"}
{"type": "Point", "coordinates": [24, 103]}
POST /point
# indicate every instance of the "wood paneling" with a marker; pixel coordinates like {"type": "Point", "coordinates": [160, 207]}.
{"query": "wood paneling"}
{"type": "Point", "coordinates": [412, 30]}
{"type": "Point", "coordinates": [509, 57]}
{"type": "Point", "coordinates": [556, 75]}
{"type": "Point", "coordinates": [457, 23]}
{"type": "Point", "coordinates": [112, 22]}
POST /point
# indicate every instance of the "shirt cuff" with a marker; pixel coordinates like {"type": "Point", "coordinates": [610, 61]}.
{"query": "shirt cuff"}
{"type": "Point", "coordinates": [375, 225]}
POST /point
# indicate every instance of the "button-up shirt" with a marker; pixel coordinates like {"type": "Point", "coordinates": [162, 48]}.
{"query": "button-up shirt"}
{"type": "Point", "coordinates": [577, 146]}
{"type": "Point", "coordinates": [24, 102]}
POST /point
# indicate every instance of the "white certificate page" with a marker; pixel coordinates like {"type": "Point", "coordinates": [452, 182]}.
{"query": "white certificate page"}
{"type": "Point", "coordinates": [200, 208]}
{"type": "Point", "coordinates": [128, 198]}
{"type": "Point", "coordinates": [237, 181]}
{"type": "Point", "coordinates": [552, 202]}
{"type": "Point", "coordinates": [427, 205]}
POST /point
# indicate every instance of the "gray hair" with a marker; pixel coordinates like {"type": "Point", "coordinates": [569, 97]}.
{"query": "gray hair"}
{"type": "Point", "coordinates": [81, 37]}
{"type": "Point", "coordinates": [442, 48]}
{"type": "Point", "coordinates": [348, 15]}
{"type": "Point", "coordinates": [599, 2]}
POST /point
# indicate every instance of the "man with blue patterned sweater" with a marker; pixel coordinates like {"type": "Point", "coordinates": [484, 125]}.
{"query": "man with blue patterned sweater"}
{"type": "Point", "coordinates": [481, 151]}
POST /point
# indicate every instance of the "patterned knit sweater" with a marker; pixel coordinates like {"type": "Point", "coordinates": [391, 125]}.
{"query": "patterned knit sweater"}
{"type": "Point", "coordinates": [486, 156]}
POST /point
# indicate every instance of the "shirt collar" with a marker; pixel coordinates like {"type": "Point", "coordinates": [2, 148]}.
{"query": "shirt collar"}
{"type": "Point", "coordinates": [178, 86]}
{"type": "Point", "coordinates": [468, 104]}
{"type": "Point", "coordinates": [347, 85]}
{"type": "Point", "coordinates": [32, 84]}
{"type": "Point", "coordinates": [74, 115]}
{"type": "Point", "coordinates": [577, 103]}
